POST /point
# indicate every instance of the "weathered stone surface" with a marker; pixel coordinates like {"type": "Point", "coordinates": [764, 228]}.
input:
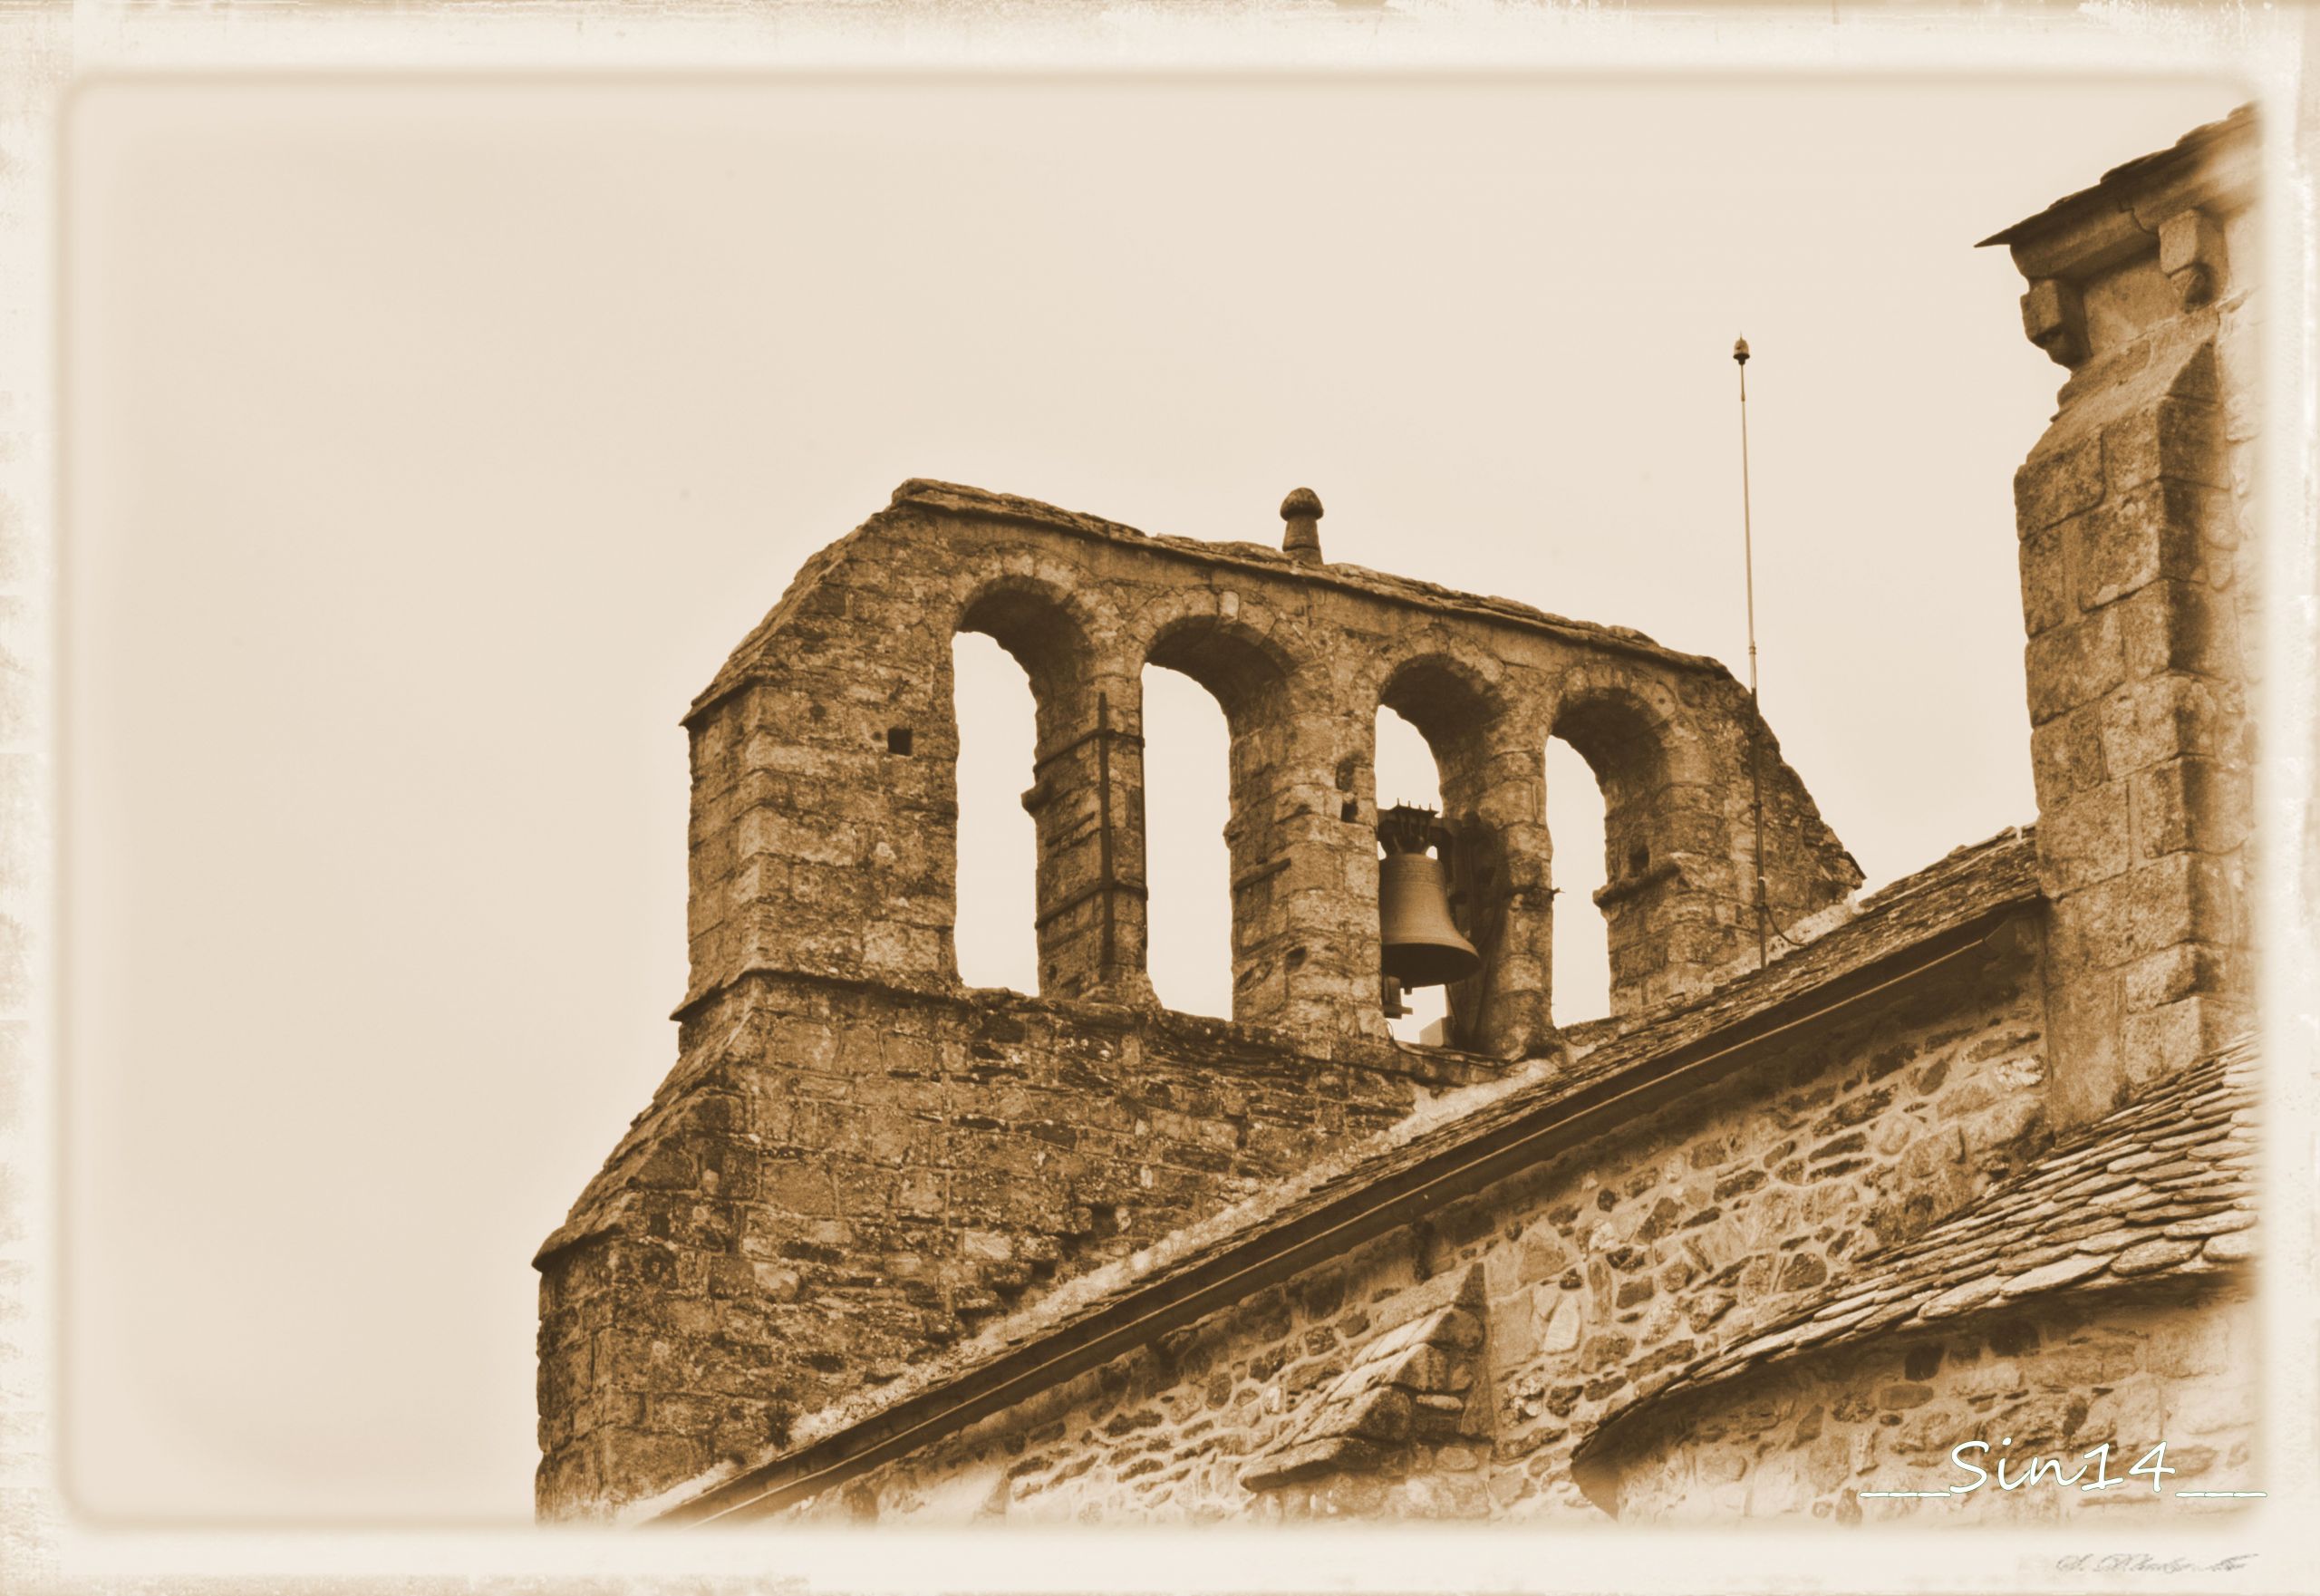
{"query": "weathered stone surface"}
{"type": "Point", "coordinates": [1980, 1023]}
{"type": "Point", "coordinates": [1972, 1262]}
{"type": "Point", "coordinates": [2045, 1277]}
{"type": "Point", "coordinates": [2074, 664]}
{"type": "Point", "coordinates": [1961, 1299]}
{"type": "Point", "coordinates": [2136, 674]}
{"type": "Point", "coordinates": [2213, 1224]}
{"type": "Point", "coordinates": [824, 828]}
{"type": "Point", "coordinates": [821, 1169]}
{"type": "Point", "coordinates": [2079, 1383]}
{"type": "Point", "coordinates": [2146, 1256]}
{"type": "Point", "coordinates": [2235, 1248]}
{"type": "Point", "coordinates": [1958, 1159]}
{"type": "Point", "coordinates": [2056, 485]}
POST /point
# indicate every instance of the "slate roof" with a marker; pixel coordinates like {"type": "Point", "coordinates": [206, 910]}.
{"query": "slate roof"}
{"type": "Point", "coordinates": [1937, 914]}
{"type": "Point", "coordinates": [2163, 1187]}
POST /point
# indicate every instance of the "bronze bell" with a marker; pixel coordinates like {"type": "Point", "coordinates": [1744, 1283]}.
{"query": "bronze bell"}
{"type": "Point", "coordinates": [1421, 946]}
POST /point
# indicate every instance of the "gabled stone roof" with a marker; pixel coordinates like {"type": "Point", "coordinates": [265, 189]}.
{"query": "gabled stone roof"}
{"type": "Point", "coordinates": [1940, 914]}
{"type": "Point", "coordinates": [2163, 1187]}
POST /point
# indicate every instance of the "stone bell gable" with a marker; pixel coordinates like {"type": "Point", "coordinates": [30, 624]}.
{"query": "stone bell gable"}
{"type": "Point", "coordinates": [858, 1161]}
{"type": "Point", "coordinates": [824, 806]}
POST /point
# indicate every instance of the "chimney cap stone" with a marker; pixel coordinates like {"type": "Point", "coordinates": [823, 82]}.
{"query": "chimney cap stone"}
{"type": "Point", "coordinates": [1302, 539]}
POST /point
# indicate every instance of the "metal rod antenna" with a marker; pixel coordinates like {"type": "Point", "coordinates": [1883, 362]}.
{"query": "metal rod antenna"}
{"type": "Point", "coordinates": [1755, 728]}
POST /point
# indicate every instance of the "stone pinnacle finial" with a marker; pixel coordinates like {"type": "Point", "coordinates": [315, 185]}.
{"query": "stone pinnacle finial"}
{"type": "Point", "coordinates": [1302, 541]}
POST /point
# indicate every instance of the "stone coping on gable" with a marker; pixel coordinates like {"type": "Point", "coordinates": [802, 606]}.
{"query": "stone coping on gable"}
{"type": "Point", "coordinates": [960, 499]}
{"type": "Point", "coordinates": [2163, 1187]}
{"type": "Point", "coordinates": [1949, 909]}
{"type": "Point", "coordinates": [2116, 218]}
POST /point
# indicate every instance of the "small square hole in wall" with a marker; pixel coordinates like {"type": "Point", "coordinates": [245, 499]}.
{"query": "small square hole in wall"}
{"type": "Point", "coordinates": [898, 739]}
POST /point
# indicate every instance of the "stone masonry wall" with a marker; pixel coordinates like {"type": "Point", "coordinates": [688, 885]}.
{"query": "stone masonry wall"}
{"type": "Point", "coordinates": [2130, 1369]}
{"type": "Point", "coordinates": [1588, 1278]}
{"type": "Point", "coordinates": [838, 1178]}
{"type": "Point", "coordinates": [2139, 558]}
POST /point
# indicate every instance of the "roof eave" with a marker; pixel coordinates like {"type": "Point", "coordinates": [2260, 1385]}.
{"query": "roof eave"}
{"type": "Point", "coordinates": [2088, 232]}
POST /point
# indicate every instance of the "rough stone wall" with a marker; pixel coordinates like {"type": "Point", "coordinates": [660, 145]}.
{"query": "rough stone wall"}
{"type": "Point", "coordinates": [824, 830]}
{"type": "Point", "coordinates": [1588, 1278]}
{"type": "Point", "coordinates": [2130, 1369]}
{"type": "Point", "coordinates": [1169, 1433]}
{"type": "Point", "coordinates": [856, 1161]}
{"type": "Point", "coordinates": [838, 1177]}
{"type": "Point", "coordinates": [2139, 560]}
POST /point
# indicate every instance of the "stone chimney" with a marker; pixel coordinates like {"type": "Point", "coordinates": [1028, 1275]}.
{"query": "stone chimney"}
{"type": "Point", "coordinates": [1300, 513]}
{"type": "Point", "coordinates": [2139, 562]}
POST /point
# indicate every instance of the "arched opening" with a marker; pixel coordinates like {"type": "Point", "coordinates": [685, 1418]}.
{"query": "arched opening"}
{"type": "Point", "coordinates": [998, 846]}
{"type": "Point", "coordinates": [1189, 884]}
{"type": "Point", "coordinates": [1188, 868]}
{"type": "Point", "coordinates": [1651, 935]}
{"type": "Point", "coordinates": [1581, 986]}
{"type": "Point", "coordinates": [1489, 844]}
{"type": "Point", "coordinates": [1406, 773]}
{"type": "Point", "coordinates": [1019, 769]}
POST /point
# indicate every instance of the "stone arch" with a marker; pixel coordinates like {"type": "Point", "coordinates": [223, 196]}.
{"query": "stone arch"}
{"type": "Point", "coordinates": [1621, 735]}
{"type": "Point", "coordinates": [1089, 922]}
{"type": "Point", "coordinates": [1047, 628]}
{"type": "Point", "coordinates": [1234, 651]}
{"type": "Point", "coordinates": [1632, 718]}
{"type": "Point", "coordinates": [1666, 860]}
{"type": "Point", "coordinates": [1450, 693]}
{"type": "Point", "coordinates": [1239, 660]}
{"type": "Point", "coordinates": [1491, 779]}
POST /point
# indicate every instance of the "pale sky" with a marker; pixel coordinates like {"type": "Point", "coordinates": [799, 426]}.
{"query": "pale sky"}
{"type": "Point", "coordinates": [429, 447]}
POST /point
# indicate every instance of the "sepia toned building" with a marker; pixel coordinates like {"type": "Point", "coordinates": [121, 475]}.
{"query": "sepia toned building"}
{"type": "Point", "coordinates": [1840, 1184]}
